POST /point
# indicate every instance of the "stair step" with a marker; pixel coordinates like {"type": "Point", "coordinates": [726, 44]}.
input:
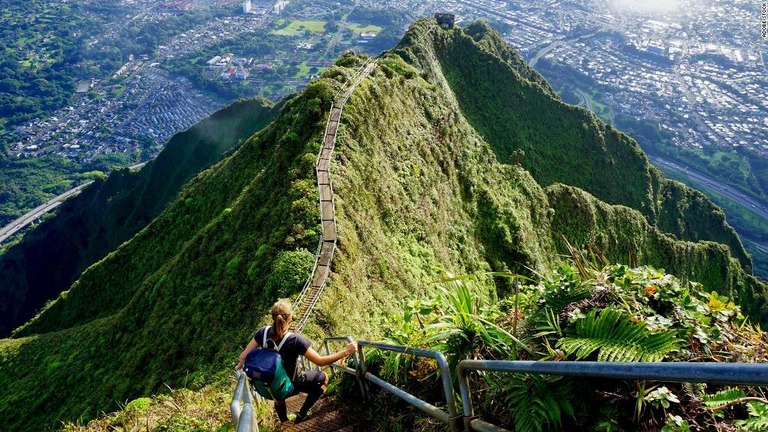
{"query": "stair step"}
{"type": "Point", "coordinates": [325, 417]}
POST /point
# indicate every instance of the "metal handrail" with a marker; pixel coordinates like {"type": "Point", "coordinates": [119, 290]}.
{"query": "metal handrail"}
{"type": "Point", "coordinates": [308, 286]}
{"type": "Point", "coordinates": [243, 418]}
{"type": "Point", "coordinates": [356, 80]}
{"type": "Point", "coordinates": [354, 75]}
{"type": "Point", "coordinates": [334, 365]}
{"type": "Point", "coordinates": [720, 373]}
{"type": "Point", "coordinates": [452, 417]}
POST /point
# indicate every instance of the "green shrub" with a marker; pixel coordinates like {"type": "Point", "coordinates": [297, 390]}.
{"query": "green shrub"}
{"type": "Point", "coordinates": [289, 272]}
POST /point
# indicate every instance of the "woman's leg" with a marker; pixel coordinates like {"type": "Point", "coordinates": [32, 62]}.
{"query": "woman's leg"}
{"type": "Point", "coordinates": [282, 410]}
{"type": "Point", "coordinates": [312, 383]}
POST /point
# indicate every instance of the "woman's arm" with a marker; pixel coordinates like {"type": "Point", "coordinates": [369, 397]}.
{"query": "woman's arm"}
{"type": "Point", "coordinates": [319, 360]}
{"type": "Point", "coordinates": [251, 346]}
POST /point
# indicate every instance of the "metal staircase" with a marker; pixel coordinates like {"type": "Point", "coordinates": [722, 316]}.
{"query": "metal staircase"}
{"type": "Point", "coordinates": [326, 417]}
{"type": "Point", "coordinates": [315, 284]}
{"type": "Point", "coordinates": [457, 414]}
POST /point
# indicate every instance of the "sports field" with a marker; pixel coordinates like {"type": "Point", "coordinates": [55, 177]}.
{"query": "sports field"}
{"type": "Point", "coordinates": [296, 27]}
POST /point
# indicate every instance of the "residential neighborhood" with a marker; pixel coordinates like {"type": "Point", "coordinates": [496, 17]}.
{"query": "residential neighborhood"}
{"type": "Point", "coordinates": [670, 66]}
{"type": "Point", "coordinates": [142, 118]}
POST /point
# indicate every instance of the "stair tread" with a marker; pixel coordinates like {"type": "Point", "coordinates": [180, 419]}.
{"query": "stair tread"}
{"type": "Point", "coordinates": [325, 416]}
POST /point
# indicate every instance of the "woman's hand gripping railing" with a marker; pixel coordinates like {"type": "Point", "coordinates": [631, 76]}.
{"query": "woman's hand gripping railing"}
{"type": "Point", "coordinates": [343, 367]}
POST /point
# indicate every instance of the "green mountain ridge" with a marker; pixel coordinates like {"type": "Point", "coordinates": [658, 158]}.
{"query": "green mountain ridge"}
{"type": "Point", "coordinates": [567, 144]}
{"type": "Point", "coordinates": [425, 176]}
{"type": "Point", "coordinates": [52, 256]}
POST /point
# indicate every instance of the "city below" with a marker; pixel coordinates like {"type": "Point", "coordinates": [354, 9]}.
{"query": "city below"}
{"type": "Point", "coordinates": [701, 90]}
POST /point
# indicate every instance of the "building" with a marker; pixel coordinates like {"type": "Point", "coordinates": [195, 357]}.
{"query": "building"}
{"type": "Point", "coordinates": [247, 6]}
{"type": "Point", "coordinates": [279, 6]}
{"type": "Point", "coordinates": [445, 20]}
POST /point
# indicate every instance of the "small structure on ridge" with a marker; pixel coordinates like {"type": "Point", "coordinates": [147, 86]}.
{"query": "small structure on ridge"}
{"type": "Point", "coordinates": [445, 20]}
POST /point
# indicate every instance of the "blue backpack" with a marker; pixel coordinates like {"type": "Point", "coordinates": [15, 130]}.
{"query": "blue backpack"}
{"type": "Point", "coordinates": [265, 368]}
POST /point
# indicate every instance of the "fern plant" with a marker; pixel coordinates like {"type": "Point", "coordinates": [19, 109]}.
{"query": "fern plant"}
{"type": "Point", "coordinates": [758, 418]}
{"type": "Point", "coordinates": [723, 398]}
{"type": "Point", "coordinates": [536, 402]}
{"type": "Point", "coordinates": [616, 338]}
{"type": "Point", "coordinates": [757, 408]}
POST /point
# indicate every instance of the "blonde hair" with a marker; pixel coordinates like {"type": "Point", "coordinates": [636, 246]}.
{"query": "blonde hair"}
{"type": "Point", "coordinates": [281, 315]}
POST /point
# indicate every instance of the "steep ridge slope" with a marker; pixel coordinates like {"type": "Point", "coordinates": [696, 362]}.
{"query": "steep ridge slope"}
{"type": "Point", "coordinates": [416, 187]}
{"type": "Point", "coordinates": [508, 104]}
{"type": "Point", "coordinates": [625, 235]}
{"type": "Point", "coordinates": [411, 162]}
{"type": "Point", "coordinates": [172, 304]}
{"type": "Point", "coordinates": [85, 228]}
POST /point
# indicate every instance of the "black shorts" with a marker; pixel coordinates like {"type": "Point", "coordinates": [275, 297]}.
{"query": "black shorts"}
{"type": "Point", "coordinates": [309, 382]}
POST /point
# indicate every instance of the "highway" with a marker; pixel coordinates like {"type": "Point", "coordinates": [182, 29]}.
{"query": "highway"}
{"type": "Point", "coordinates": [38, 211]}
{"type": "Point", "coordinates": [584, 97]}
{"type": "Point", "coordinates": [542, 52]}
{"type": "Point", "coordinates": [705, 182]}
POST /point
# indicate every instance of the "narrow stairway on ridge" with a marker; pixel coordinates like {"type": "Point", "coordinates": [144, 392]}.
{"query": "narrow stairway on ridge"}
{"type": "Point", "coordinates": [326, 416]}
{"type": "Point", "coordinates": [315, 284]}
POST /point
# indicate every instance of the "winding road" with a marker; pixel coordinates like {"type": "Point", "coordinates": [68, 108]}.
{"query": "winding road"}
{"type": "Point", "coordinates": [705, 182]}
{"type": "Point", "coordinates": [584, 98]}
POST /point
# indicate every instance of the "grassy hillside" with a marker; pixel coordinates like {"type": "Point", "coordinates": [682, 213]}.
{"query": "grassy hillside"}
{"type": "Point", "coordinates": [418, 190]}
{"type": "Point", "coordinates": [53, 255]}
{"type": "Point", "coordinates": [625, 236]}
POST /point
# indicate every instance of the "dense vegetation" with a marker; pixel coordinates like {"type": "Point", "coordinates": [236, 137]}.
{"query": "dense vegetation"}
{"type": "Point", "coordinates": [27, 183]}
{"type": "Point", "coordinates": [422, 180]}
{"type": "Point", "coordinates": [741, 169]}
{"type": "Point", "coordinates": [52, 256]}
{"type": "Point", "coordinates": [545, 134]}
{"type": "Point", "coordinates": [587, 310]}
{"type": "Point", "coordinates": [239, 215]}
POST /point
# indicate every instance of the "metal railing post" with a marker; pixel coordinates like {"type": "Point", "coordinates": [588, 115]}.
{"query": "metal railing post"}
{"type": "Point", "coordinates": [466, 396]}
{"type": "Point", "coordinates": [451, 417]}
{"type": "Point", "coordinates": [346, 369]}
{"type": "Point", "coordinates": [362, 370]}
{"type": "Point", "coordinates": [243, 418]}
